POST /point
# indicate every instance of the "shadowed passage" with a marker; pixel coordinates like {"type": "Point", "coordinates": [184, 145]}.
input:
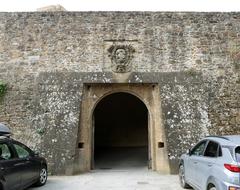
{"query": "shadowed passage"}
{"type": "Point", "coordinates": [120, 132]}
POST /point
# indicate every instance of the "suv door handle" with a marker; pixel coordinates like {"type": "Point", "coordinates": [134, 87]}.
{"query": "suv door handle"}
{"type": "Point", "coordinates": [195, 162]}
{"type": "Point", "coordinates": [209, 165]}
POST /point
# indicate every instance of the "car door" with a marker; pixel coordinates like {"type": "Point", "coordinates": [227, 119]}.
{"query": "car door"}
{"type": "Point", "coordinates": [206, 163]}
{"type": "Point", "coordinates": [30, 166]}
{"type": "Point", "coordinates": [9, 167]}
{"type": "Point", "coordinates": [195, 154]}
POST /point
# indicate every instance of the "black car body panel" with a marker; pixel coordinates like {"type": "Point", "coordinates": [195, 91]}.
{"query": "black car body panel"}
{"type": "Point", "coordinates": [19, 166]}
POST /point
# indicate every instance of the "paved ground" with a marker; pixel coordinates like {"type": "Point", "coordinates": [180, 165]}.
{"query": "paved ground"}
{"type": "Point", "coordinates": [126, 179]}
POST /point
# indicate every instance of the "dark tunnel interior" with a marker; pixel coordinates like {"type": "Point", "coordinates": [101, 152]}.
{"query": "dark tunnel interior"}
{"type": "Point", "coordinates": [120, 132]}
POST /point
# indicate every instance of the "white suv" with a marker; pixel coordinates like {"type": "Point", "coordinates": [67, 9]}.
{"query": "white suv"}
{"type": "Point", "coordinates": [212, 164]}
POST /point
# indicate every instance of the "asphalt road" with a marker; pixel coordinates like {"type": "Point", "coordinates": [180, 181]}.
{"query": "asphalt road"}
{"type": "Point", "coordinates": [133, 179]}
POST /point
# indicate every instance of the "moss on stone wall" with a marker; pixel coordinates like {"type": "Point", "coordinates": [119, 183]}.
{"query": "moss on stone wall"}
{"type": "Point", "coordinates": [3, 88]}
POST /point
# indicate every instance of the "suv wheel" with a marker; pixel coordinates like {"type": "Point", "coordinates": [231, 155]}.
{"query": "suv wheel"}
{"type": "Point", "coordinates": [213, 188]}
{"type": "Point", "coordinates": [182, 177]}
{"type": "Point", "coordinates": [42, 176]}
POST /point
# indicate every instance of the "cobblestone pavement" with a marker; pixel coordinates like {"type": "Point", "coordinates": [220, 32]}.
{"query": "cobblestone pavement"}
{"type": "Point", "coordinates": [134, 179]}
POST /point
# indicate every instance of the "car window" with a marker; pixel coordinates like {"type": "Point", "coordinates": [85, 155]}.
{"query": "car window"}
{"type": "Point", "coordinates": [22, 151]}
{"type": "Point", "coordinates": [198, 149]}
{"type": "Point", "coordinates": [5, 152]}
{"type": "Point", "coordinates": [212, 149]}
{"type": "Point", "coordinates": [237, 152]}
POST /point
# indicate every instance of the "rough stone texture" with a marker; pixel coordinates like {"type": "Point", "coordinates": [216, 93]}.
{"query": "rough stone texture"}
{"type": "Point", "coordinates": [46, 58]}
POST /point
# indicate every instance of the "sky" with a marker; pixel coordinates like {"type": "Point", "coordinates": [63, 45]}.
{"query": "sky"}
{"type": "Point", "coordinates": [124, 5]}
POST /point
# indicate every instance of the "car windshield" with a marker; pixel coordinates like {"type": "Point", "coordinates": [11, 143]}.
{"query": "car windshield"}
{"type": "Point", "coordinates": [237, 152]}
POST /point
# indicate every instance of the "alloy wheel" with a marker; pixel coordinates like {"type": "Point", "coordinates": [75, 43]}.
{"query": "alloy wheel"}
{"type": "Point", "coordinates": [43, 176]}
{"type": "Point", "coordinates": [213, 188]}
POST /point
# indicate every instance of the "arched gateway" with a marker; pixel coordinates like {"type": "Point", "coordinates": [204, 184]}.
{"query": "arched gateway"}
{"type": "Point", "coordinates": [121, 127]}
{"type": "Point", "coordinates": [120, 132]}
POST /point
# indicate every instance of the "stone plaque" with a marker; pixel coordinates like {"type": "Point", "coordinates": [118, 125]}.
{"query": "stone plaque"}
{"type": "Point", "coordinates": [121, 56]}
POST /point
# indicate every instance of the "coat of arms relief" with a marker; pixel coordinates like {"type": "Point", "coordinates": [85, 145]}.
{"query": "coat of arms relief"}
{"type": "Point", "coordinates": [121, 56]}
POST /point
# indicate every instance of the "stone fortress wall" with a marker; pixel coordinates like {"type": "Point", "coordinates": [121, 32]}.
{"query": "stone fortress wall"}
{"type": "Point", "coordinates": [47, 57]}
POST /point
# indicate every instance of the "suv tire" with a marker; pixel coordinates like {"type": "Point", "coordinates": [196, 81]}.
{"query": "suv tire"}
{"type": "Point", "coordinates": [212, 188]}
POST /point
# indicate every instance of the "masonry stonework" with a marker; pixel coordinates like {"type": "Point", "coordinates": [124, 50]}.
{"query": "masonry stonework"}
{"type": "Point", "coordinates": [47, 58]}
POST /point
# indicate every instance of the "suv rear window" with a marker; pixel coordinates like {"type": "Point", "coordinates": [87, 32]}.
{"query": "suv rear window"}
{"type": "Point", "coordinates": [237, 152]}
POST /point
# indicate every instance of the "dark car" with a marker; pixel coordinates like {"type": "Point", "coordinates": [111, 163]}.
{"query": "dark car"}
{"type": "Point", "coordinates": [20, 167]}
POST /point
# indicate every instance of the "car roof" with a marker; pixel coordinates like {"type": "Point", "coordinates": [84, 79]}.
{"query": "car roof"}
{"type": "Point", "coordinates": [234, 138]}
{"type": "Point", "coordinates": [228, 140]}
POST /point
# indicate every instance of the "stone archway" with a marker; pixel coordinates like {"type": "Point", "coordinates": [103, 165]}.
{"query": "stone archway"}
{"type": "Point", "coordinates": [120, 132]}
{"type": "Point", "coordinates": [148, 94]}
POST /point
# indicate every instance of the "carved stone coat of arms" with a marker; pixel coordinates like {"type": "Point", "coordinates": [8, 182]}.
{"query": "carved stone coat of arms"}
{"type": "Point", "coordinates": [121, 56]}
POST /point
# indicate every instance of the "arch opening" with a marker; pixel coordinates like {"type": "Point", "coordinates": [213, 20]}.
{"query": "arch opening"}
{"type": "Point", "coordinates": [120, 122]}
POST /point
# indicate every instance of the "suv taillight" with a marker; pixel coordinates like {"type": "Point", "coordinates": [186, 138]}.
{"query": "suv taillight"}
{"type": "Point", "coordinates": [234, 188]}
{"type": "Point", "coordinates": [232, 168]}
